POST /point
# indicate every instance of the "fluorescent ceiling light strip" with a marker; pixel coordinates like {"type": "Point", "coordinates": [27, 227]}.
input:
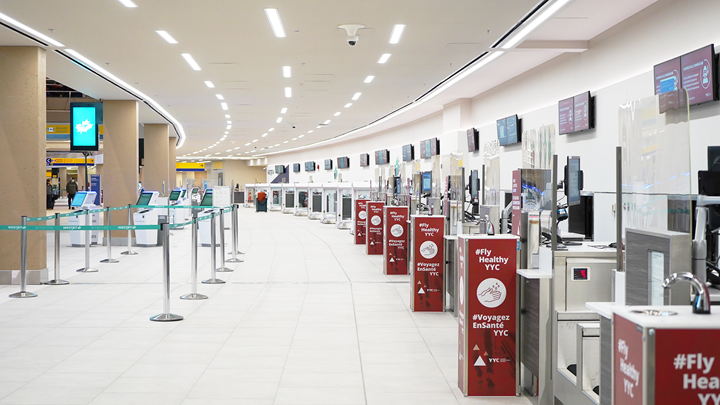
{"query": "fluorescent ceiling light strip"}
{"type": "Point", "coordinates": [167, 37]}
{"type": "Point", "coordinates": [384, 58]}
{"type": "Point", "coordinates": [128, 3]}
{"type": "Point", "coordinates": [178, 127]}
{"type": "Point", "coordinates": [220, 97]}
{"type": "Point", "coordinates": [396, 33]}
{"type": "Point", "coordinates": [283, 111]}
{"type": "Point", "coordinates": [326, 122]}
{"type": "Point", "coordinates": [348, 105]}
{"type": "Point", "coordinates": [273, 17]}
{"type": "Point", "coordinates": [209, 84]}
{"type": "Point", "coordinates": [532, 25]}
{"type": "Point", "coordinates": [368, 79]}
{"type": "Point", "coordinates": [189, 59]}
{"type": "Point", "coordinates": [288, 92]}
{"type": "Point", "coordinates": [279, 120]}
{"type": "Point", "coordinates": [224, 106]}
{"type": "Point", "coordinates": [356, 96]}
{"type": "Point", "coordinates": [29, 30]}
{"type": "Point", "coordinates": [287, 71]}
{"type": "Point", "coordinates": [337, 113]}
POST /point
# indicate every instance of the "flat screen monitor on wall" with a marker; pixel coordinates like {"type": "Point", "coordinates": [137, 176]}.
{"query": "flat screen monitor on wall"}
{"type": "Point", "coordinates": [434, 147]}
{"type": "Point", "coordinates": [296, 167]}
{"type": "Point", "coordinates": [279, 169]}
{"type": "Point", "coordinates": [566, 116]}
{"type": "Point", "coordinates": [382, 157]}
{"type": "Point", "coordinates": [698, 75]}
{"type": "Point", "coordinates": [309, 166]}
{"type": "Point", "coordinates": [512, 129]}
{"type": "Point", "coordinates": [667, 76]}
{"type": "Point", "coordinates": [364, 159]}
{"type": "Point", "coordinates": [343, 162]}
{"type": "Point", "coordinates": [473, 140]}
{"type": "Point", "coordinates": [408, 153]}
{"type": "Point", "coordinates": [386, 155]}
{"type": "Point", "coordinates": [328, 164]}
{"type": "Point", "coordinates": [583, 112]}
{"type": "Point", "coordinates": [377, 157]}
{"type": "Point", "coordinates": [423, 146]}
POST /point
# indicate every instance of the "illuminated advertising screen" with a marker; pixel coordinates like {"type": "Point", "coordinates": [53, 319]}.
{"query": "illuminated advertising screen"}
{"type": "Point", "coordinates": [698, 75]}
{"type": "Point", "coordinates": [85, 119]}
{"type": "Point", "coordinates": [667, 76]}
{"type": "Point", "coordinates": [581, 108]}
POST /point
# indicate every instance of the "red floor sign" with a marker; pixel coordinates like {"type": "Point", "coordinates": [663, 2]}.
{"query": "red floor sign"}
{"type": "Point", "coordinates": [428, 263]}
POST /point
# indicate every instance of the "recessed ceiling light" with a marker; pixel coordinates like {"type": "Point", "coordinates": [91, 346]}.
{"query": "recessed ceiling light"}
{"type": "Point", "coordinates": [217, 153]}
{"type": "Point", "coordinates": [337, 113]}
{"type": "Point", "coordinates": [287, 71]}
{"type": "Point", "coordinates": [348, 105]}
{"type": "Point", "coordinates": [229, 122]}
{"type": "Point", "coordinates": [229, 150]}
{"type": "Point", "coordinates": [301, 136]}
{"type": "Point", "coordinates": [356, 96]}
{"type": "Point", "coordinates": [247, 144]}
{"type": "Point", "coordinates": [189, 59]}
{"type": "Point", "coordinates": [220, 97]}
{"type": "Point", "coordinates": [396, 33]}
{"type": "Point", "coordinates": [326, 122]}
{"type": "Point", "coordinates": [286, 142]}
{"type": "Point", "coordinates": [318, 127]}
{"type": "Point", "coordinates": [262, 148]}
{"type": "Point", "coordinates": [167, 37]}
{"type": "Point", "coordinates": [288, 92]}
{"type": "Point", "coordinates": [294, 139]}
{"type": "Point", "coordinates": [228, 127]}
{"type": "Point", "coordinates": [210, 147]}
{"type": "Point", "coordinates": [368, 79]}
{"type": "Point", "coordinates": [384, 58]}
{"type": "Point", "coordinates": [195, 153]}
{"type": "Point", "coordinates": [309, 132]}
{"type": "Point", "coordinates": [227, 115]}
{"type": "Point", "coordinates": [209, 84]}
{"type": "Point", "coordinates": [255, 140]}
{"type": "Point", "coordinates": [279, 120]}
{"type": "Point", "coordinates": [226, 132]}
{"type": "Point", "coordinates": [236, 148]}
{"type": "Point", "coordinates": [271, 129]}
{"type": "Point", "coordinates": [275, 23]}
{"type": "Point", "coordinates": [283, 111]}
{"type": "Point", "coordinates": [224, 106]}
{"type": "Point", "coordinates": [264, 135]}
{"type": "Point", "coordinates": [128, 3]}
{"type": "Point", "coordinates": [205, 149]}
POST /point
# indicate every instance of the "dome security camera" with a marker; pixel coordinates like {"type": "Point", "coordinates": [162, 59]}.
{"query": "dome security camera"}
{"type": "Point", "coordinates": [353, 40]}
{"type": "Point", "coordinates": [351, 29]}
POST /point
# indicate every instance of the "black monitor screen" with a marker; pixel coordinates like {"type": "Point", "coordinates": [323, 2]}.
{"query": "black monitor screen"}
{"type": "Point", "coordinates": [582, 111]}
{"type": "Point", "coordinates": [309, 166]}
{"type": "Point", "coordinates": [565, 116]}
{"type": "Point", "coordinates": [408, 153]}
{"type": "Point", "coordinates": [426, 182]}
{"type": "Point", "coordinates": [472, 140]}
{"type": "Point", "coordinates": [512, 130]}
{"type": "Point", "coordinates": [474, 185]}
{"type": "Point", "coordinates": [397, 185]}
{"type": "Point", "coordinates": [434, 147]}
{"type": "Point", "coordinates": [207, 200]}
{"type": "Point", "coordinates": [279, 169]}
{"type": "Point", "coordinates": [174, 195]}
{"type": "Point", "coordinates": [364, 160]}
{"type": "Point", "coordinates": [573, 180]}
{"type": "Point", "coordinates": [296, 167]}
{"type": "Point", "coordinates": [501, 132]}
{"type": "Point", "coordinates": [144, 199]}
{"type": "Point", "coordinates": [698, 75]}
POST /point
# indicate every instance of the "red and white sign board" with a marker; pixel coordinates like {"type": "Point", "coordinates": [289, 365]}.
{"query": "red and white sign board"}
{"type": "Point", "coordinates": [628, 372]}
{"type": "Point", "coordinates": [395, 234]}
{"type": "Point", "coordinates": [360, 221]}
{"type": "Point", "coordinates": [487, 358]}
{"type": "Point", "coordinates": [374, 220]}
{"type": "Point", "coordinates": [428, 262]}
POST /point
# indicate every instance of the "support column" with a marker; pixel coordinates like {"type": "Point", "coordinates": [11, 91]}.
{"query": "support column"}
{"type": "Point", "coordinates": [82, 186]}
{"type": "Point", "coordinates": [155, 170]}
{"type": "Point", "coordinates": [172, 160]}
{"type": "Point", "coordinates": [120, 159]}
{"type": "Point", "coordinates": [22, 159]}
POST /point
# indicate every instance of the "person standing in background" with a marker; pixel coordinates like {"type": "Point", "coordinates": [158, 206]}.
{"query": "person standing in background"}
{"type": "Point", "coordinates": [71, 189]}
{"type": "Point", "coordinates": [49, 202]}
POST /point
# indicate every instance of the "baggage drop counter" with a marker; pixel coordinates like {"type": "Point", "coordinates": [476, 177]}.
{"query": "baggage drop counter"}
{"type": "Point", "coordinates": [288, 199]}
{"type": "Point", "coordinates": [275, 197]}
{"type": "Point", "coordinates": [301, 206]}
{"type": "Point", "coordinates": [329, 201]}
{"type": "Point", "coordinates": [344, 204]}
{"type": "Point", "coordinates": [315, 201]}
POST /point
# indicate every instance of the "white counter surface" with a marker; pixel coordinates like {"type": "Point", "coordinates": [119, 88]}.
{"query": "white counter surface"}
{"type": "Point", "coordinates": [603, 309]}
{"type": "Point", "coordinates": [684, 319]}
{"type": "Point", "coordinates": [532, 274]}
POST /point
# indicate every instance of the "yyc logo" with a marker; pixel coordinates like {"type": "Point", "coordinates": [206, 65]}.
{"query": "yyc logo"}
{"type": "Point", "coordinates": [83, 126]}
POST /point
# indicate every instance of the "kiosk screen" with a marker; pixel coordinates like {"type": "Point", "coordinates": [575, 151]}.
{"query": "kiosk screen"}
{"type": "Point", "coordinates": [144, 199]}
{"type": "Point", "coordinates": [174, 195]}
{"type": "Point", "coordinates": [207, 200]}
{"type": "Point", "coordinates": [79, 199]}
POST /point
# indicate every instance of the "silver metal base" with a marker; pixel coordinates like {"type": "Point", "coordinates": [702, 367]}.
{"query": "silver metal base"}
{"type": "Point", "coordinates": [194, 296]}
{"type": "Point", "coordinates": [56, 282]}
{"type": "Point", "coordinates": [166, 318]}
{"type": "Point", "coordinates": [231, 260]}
{"type": "Point", "coordinates": [238, 253]}
{"type": "Point", "coordinates": [23, 294]}
{"type": "Point", "coordinates": [129, 253]}
{"type": "Point", "coordinates": [213, 281]}
{"type": "Point", "coordinates": [87, 270]}
{"type": "Point", "coordinates": [223, 269]}
{"type": "Point", "coordinates": [110, 261]}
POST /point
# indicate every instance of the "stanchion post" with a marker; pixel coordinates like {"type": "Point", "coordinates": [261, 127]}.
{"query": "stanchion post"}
{"type": "Point", "coordinates": [23, 264]}
{"type": "Point", "coordinates": [166, 316]}
{"type": "Point", "coordinates": [129, 252]}
{"type": "Point", "coordinates": [222, 267]}
{"type": "Point", "coordinates": [56, 280]}
{"type": "Point", "coordinates": [193, 263]}
{"type": "Point", "coordinates": [108, 240]}
{"type": "Point", "coordinates": [213, 276]}
{"type": "Point", "coordinates": [234, 227]}
{"type": "Point", "coordinates": [87, 268]}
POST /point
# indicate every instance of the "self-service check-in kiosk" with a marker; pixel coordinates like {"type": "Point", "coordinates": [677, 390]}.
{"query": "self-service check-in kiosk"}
{"type": "Point", "coordinates": [315, 204]}
{"type": "Point", "coordinates": [329, 203]}
{"type": "Point", "coordinates": [83, 200]}
{"type": "Point", "coordinates": [147, 216]}
{"type": "Point", "coordinates": [179, 198]}
{"type": "Point", "coordinates": [344, 204]}
{"type": "Point", "coordinates": [301, 206]}
{"type": "Point", "coordinates": [288, 199]}
{"type": "Point", "coordinates": [206, 203]}
{"type": "Point", "coordinates": [275, 197]}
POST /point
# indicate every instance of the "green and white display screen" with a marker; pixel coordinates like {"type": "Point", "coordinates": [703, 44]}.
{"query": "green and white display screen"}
{"type": "Point", "coordinates": [175, 195]}
{"type": "Point", "coordinates": [84, 121]}
{"type": "Point", "coordinates": [144, 199]}
{"type": "Point", "coordinates": [207, 200]}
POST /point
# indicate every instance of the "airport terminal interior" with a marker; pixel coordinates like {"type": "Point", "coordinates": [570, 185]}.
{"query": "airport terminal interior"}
{"type": "Point", "coordinates": [322, 202]}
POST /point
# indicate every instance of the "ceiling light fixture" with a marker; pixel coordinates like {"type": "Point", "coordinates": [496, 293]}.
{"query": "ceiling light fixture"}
{"type": "Point", "coordinates": [220, 97]}
{"type": "Point", "coordinates": [128, 3]}
{"type": "Point", "coordinates": [224, 106]}
{"type": "Point", "coordinates": [356, 96]}
{"type": "Point", "coordinates": [273, 17]}
{"type": "Point", "coordinates": [384, 58]}
{"type": "Point", "coordinates": [396, 33]}
{"type": "Point", "coordinates": [294, 139]}
{"type": "Point", "coordinates": [368, 79]}
{"type": "Point", "coordinates": [318, 127]}
{"type": "Point", "coordinates": [228, 127]}
{"type": "Point", "coordinates": [236, 148]}
{"type": "Point", "coordinates": [287, 71]}
{"type": "Point", "coordinates": [348, 105]}
{"type": "Point", "coordinates": [271, 129]}
{"type": "Point", "coordinates": [277, 144]}
{"type": "Point", "coordinates": [226, 132]}
{"type": "Point", "coordinates": [326, 122]}
{"type": "Point", "coordinates": [264, 135]}
{"type": "Point", "coordinates": [302, 135]}
{"type": "Point", "coordinates": [229, 122]}
{"type": "Point", "coordinates": [209, 84]}
{"type": "Point", "coordinates": [279, 120]}
{"type": "Point", "coordinates": [283, 111]}
{"type": "Point", "coordinates": [227, 115]}
{"type": "Point", "coordinates": [247, 144]}
{"type": "Point", "coordinates": [189, 59]}
{"type": "Point", "coordinates": [255, 140]}
{"type": "Point", "coordinates": [229, 150]}
{"type": "Point", "coordinates": [288, 92]}
{"type": "Point", "coordinates": [554, 8]}
{"type": "Point", "coordinates": [30, 30]}
{"type": "Point", "coordinates": [337, 113]}
{"type": "Point", "coordinates": [286, 142]}
{"type": "Point", "coordinates": [309, 132]}
{"type": "Point", "coordinates": [167, 37]}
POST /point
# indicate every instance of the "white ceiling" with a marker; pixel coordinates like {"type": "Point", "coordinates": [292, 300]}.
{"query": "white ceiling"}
{"type": "Point", "coordinates": [234, 45]}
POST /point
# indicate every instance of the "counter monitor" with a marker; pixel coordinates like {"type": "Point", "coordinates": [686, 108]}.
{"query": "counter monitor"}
{"type": "Point", "coordinates": [426, 182]}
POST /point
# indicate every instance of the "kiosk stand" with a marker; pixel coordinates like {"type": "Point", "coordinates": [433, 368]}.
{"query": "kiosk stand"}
{"type": "Point", "coordinates": [84, 200]}
{"type": "Point", "coordinates": [147, 216]}
{"type": "Point", "coordinates": [206, 230]}
{"type": "Point", "coordinates": [360, 221]}
{"type": "Point", "coordinates": [178, 198]}
{"type": "Point", "coordinates": [87, 268]}
{"type": "Point", "coordinates": [329, 203]}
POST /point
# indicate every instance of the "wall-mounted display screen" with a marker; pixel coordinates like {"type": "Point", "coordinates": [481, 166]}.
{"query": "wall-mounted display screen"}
{"type": "Point", "coordinates": [667, 76]}
{"type": "Point", "coordinates": [279, 169]}
{"type": "Point", "coordinates": [434, 147]}
{"type": "Point", "coordinates": [423, 147]}
{"type": "Point", "coordinates": [85, 119]}
{"type": "Point", "coordinates": [565, 116]}
{"type": "Point", "coordinates": [328, 164]}
{"type": "Point", "coordinates": [473, 140]}
{"type": "Point", "coordinates": [501, 131]}
{"type": "Point", "coordinates": [508, 130]}
{"type": "Point", "coordinates": [382, 157]}
{"type": "Point", "coordinates": [582, 112]}
{"type": "Point", "coordinates": [364, 159]}
{"type": "Point", "coordinates": [296, 167]}
{"type": "Point", "coordinates": [343, 162]}
{"type": "Point", "coordinates": [698, 75]}
{"type": "Point", "coordinates": [408, 153]}
{"type": "Point", "coordinates": [309, 166]}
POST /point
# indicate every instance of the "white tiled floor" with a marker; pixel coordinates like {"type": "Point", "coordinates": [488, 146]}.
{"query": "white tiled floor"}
{"type": "Point", "coordinates": [308, 318]}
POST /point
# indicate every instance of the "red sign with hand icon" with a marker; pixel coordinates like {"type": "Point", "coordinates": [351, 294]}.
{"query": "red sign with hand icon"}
{"type": "Point", "coordinates": [487, 357]}
{"type": "Point", "coordinates": [428, 263]}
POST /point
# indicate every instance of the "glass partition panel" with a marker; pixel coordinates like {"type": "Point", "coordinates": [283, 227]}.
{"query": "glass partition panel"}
{"type": "Point", "coordinates": [491, 185]}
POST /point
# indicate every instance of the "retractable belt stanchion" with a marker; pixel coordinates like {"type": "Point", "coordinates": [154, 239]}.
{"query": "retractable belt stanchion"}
{"type": "Point", "coordinates": [193, 264]}
{"type": "Point", "coordinates": [166, 316]}
{"type": "Point", "coordinates": [222, 267]}
{"type": "Point", "coordinates": [57, 280]}
{"type": "Point", "coordinates": [234, 248]}
{"type": "Point", "coordinates": [129, 252]}
{"type": "Point", "coordinates": [213, 276]}
{"type": "Point", "coordinates": [87, 268]}
{"type": "Point", "coordinates": [23, 264]}
{"type": "Point", "coordinates": [109, 240]}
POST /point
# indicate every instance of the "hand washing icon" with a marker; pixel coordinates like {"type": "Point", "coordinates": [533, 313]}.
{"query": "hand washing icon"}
{"type": "Point", "coordinates": [491, 293]}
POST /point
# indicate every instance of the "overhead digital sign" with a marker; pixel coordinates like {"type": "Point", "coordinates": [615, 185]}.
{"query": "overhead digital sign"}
{"type": "Point", "coordinates": [85, 119]}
